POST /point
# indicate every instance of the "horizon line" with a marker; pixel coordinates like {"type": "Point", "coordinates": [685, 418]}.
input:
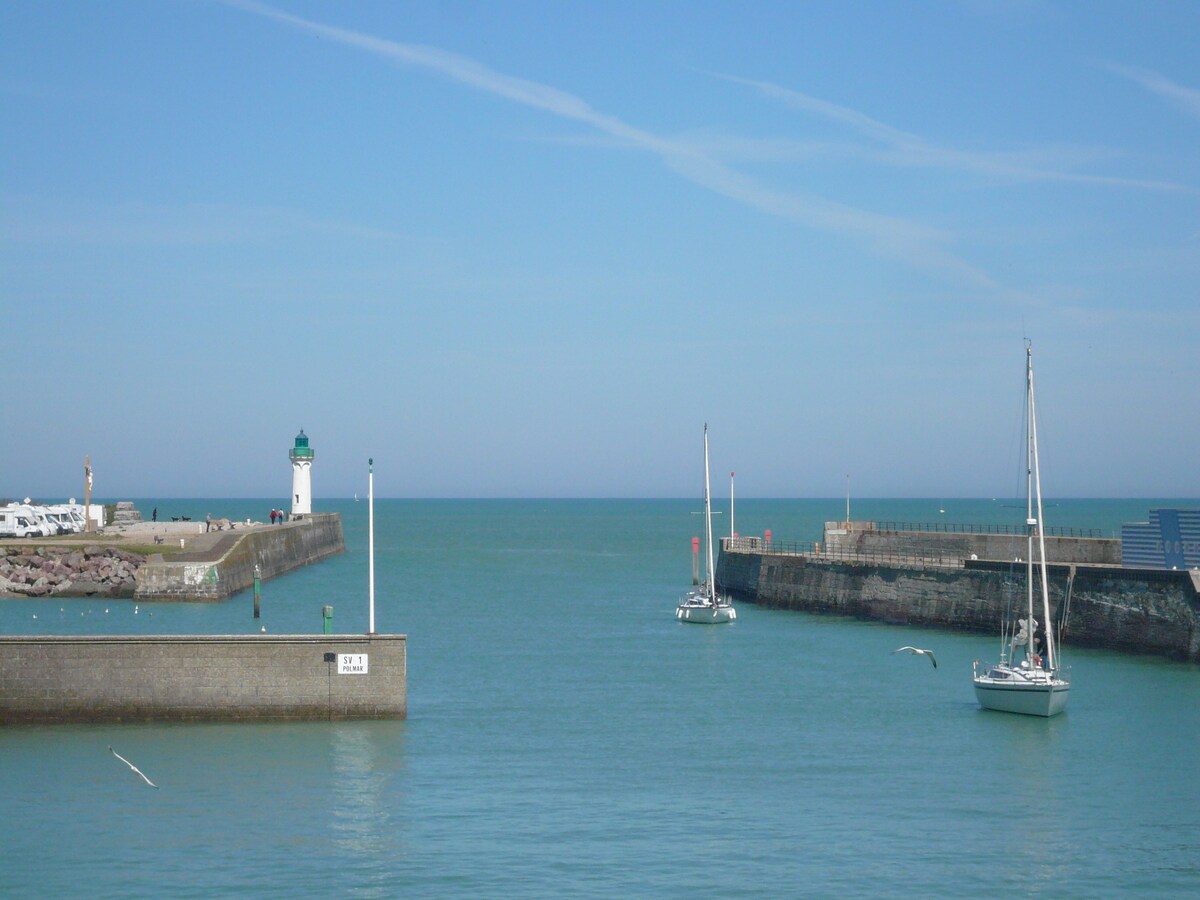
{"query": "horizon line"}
{"type": "Point", "coordinates": [831, 498]}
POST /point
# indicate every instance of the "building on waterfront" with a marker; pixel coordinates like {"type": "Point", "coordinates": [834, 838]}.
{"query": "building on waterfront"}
{"type": "Point", "coordinates": [301, 456]}
{"type": "Point", "coordinates": [1170, 540]}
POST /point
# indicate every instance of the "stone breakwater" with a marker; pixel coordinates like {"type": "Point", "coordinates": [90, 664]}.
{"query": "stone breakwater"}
{"type": "Point", "coordinates": [1101, 606]}
{"type": "Point", "coordinates": [226, 561]}
{"type": "Point", "coordinates": [68, 572]}
{"type": "Point", "coordinates": [192, 565]}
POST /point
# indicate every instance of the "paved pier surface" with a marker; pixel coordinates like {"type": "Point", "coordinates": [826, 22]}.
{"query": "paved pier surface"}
{"type": "Point", "coordinates": [198, 543]}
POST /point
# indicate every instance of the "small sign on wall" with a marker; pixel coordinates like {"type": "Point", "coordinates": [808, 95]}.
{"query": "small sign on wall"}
{"type": "Point", "coordinates": [352, 664]}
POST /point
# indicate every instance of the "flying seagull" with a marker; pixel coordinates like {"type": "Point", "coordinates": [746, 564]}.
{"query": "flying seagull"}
{"type": "Point", "coordinates": [919, 652]}
{"type": "Point", "coordinates": [135, 768]}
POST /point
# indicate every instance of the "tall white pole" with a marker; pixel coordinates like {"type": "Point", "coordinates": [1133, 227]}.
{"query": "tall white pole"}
{"type": "Point", "coordinates": [371, 543]}
{"type": "Point", "coordinates": [732, 532]}
{"type": "Point", "coordinates": [847, 500]}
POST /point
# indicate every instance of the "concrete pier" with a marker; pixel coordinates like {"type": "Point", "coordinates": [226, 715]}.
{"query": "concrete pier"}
{"type": "Point", "coordinates": [202, 678]}
{"type": "Point", "coordinates": [224, 562]}
{"type": "Point", "coordinates": [166, 560]}
{"type": "Point", "coordinates": [918, 578]}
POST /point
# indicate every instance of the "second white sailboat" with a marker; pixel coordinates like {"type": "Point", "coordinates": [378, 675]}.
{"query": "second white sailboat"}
{"type": "Point", "coordinates": [702, 606]}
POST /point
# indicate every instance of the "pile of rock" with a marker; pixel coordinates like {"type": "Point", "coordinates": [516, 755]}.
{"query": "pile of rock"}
{"type": "Point", "coordinates": [68, 571]}
{"type": "Point", "coordinates": [126, 514]}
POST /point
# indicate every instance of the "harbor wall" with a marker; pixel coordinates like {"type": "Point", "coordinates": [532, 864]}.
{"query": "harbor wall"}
{"type": "Point", "coordinates": [196, 678]}
{"type": "Point", "coordinates": [1141, 611]}
{"type": "Point", "coordinates": [228, 567]}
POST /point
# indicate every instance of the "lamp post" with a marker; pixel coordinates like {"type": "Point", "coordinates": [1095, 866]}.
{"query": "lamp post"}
{"type": "Point", "coordinates": [732, 532]}
{"type": "Point", "coordinates": [371, 545]}
{"type": "Point", "coordinates": [87, 493]}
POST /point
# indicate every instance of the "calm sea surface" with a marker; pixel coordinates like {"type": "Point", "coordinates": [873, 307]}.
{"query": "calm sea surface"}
{"type": "Point", "coordinates": [566, 736]}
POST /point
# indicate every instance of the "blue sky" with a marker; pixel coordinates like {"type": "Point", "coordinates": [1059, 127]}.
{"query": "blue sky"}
{"type": "Point", "coordinates": [529, 248]}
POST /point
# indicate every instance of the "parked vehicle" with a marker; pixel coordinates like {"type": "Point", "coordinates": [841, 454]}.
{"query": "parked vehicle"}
{"type": "Point", "coordinates": [65, 516]}
{"type": "Point", "coordinates": [50, 525]}
{"type": "Point", "coordinates": [19, 521]}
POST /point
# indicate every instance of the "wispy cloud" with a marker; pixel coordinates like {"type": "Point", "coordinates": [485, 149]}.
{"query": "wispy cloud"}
{"type": "Point", "coordinates": [892, 146]}
{"type": "Point", "coordinates": [1187, 99]}
{"type": "Point", "coordinates": [893, 237]}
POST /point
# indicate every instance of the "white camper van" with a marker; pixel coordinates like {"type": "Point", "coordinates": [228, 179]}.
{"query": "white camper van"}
{"type": "Point", "coordinates": [39, 515]}
{"type": "Point", "coordinates": [64, 515]}
{"type": "Point", "coordinates": [18, 521]}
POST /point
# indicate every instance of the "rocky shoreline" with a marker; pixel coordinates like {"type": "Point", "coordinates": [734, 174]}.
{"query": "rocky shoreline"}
{"type": "Point", "coordinates": [80, 571]}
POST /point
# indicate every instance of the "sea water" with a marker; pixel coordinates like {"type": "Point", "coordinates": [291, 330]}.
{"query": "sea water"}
{"type": "Point", "coordinates": [566, 736]}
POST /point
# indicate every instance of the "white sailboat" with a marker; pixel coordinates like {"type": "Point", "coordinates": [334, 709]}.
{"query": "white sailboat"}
{"type": "Point", "coordinates": [1033, 685]}
{"type": "Point", "coordinates": [701, 605]}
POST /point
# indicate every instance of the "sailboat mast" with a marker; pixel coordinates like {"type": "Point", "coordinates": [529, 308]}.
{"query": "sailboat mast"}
{"type": "Point", "coordinates": [712, 587]}
{"type": "Point", "coordinates": [1050, 654]}
{"type": "Point", "coordinates": [1031, 523]}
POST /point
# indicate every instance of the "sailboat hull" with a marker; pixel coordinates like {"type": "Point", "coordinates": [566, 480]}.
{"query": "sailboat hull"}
{"type": "Point", "coordinates": [1008, 691]}
{"type": "Point", "coordinates": [705, 615]}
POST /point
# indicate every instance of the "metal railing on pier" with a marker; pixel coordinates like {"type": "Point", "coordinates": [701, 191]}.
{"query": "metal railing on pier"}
{"type": "Point", "coordinates": [815, 551]}
{"type": "Point", "coordinates": [874, 558]}
{"type": "Point", "coordinates": [757, 545]}
{"type": "Point", "coordinates": [960, 528]}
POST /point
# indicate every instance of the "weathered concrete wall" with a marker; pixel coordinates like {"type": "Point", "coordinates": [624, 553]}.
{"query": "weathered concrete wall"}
{"type": "Point", "coordinates": [865, 539]}
{"type": "Point", "coordinates": [192, 678]}
{"type": "Point", "coordinates": [1139, 611]}
{"type": "Point", "coordinates": [218, 575]}
{"type": "Point", "coordinates": [1119, 609]}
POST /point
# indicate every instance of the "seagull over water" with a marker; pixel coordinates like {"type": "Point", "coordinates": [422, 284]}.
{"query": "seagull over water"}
{"type": "Point", "coordinates": [135, 768]}
{"type": "Point", "coordinates": [919, 652]}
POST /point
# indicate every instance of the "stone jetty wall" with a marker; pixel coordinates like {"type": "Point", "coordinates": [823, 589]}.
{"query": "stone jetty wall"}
{"type": "Point", "coordinates": [220, 565]}
{"type": "Point", "coordinates": [195, 678]}
{"type": "Point", "coordinates": [1141, 611]}
{"type": "Point", "coordinates": [228, 567]}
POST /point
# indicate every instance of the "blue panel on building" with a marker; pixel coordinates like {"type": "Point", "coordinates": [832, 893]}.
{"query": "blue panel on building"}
{"type": "Point", "coordinates": [1170, 540]}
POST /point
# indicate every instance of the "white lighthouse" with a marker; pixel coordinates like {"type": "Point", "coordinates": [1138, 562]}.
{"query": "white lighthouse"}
{"type": "Point", "coordinates": [302, 459]}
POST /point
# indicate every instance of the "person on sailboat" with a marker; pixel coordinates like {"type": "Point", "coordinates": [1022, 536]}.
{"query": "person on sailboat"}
{"type": "Point", "coordinates": [1039, 643]}
{"type": "Point", "coordinates": [1021, 638]}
